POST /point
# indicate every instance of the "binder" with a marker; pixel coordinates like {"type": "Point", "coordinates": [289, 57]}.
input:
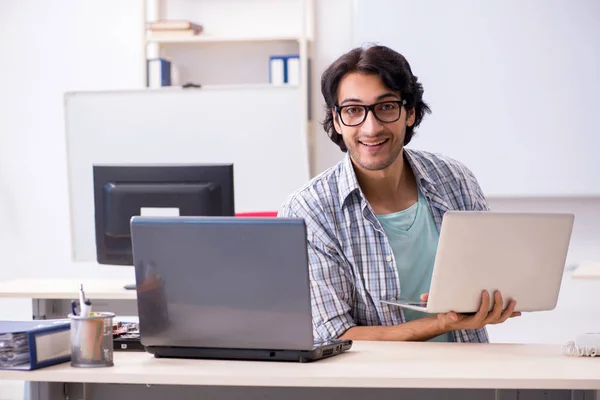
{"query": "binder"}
{"type": "Point", "coordinates": [293, 70]}
{"type": "Point", "coordinates": [277, 70]}
{"type": "Point", "coordinates": [158, 73]}
{"type": "Point", "coordinates": [29, 345]}
{"type": "Point", "coordinates": [284, 70]}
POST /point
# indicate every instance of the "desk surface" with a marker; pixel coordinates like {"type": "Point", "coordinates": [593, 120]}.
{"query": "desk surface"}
{"type": "Point", "coordinates": [109, 289]}
{"type": "Point", "coordinates": [587, 271]}
{"type": "Point", "coordinates": [367, 364]}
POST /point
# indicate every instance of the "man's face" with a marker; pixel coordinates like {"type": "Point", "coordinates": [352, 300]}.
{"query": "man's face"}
{"type": "Point", "coordinates": [373, 145]}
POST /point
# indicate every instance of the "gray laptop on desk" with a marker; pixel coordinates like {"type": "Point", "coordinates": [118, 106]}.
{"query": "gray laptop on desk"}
{"type": "Point", "coordinates": [225, 287]}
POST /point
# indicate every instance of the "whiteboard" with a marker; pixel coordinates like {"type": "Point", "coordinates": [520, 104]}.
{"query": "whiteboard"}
{"type": "Point", "coordinates": [513, 85]}
{"type": "Point", "coordinates": [257, 128]}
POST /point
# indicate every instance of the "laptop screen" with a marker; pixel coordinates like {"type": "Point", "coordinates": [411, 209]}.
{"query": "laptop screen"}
{"type": "Point", "coordinates": [222, 282]}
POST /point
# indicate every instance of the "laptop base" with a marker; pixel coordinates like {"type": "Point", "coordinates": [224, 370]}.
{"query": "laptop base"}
{"type": "Point", "coordinates": [330, 349]}
{"type": "Point", "coordinates": [420, 306]}
{"type": "Point", "coordinates": [411, 305]}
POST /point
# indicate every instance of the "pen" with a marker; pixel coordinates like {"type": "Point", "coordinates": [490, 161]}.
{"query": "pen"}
{"type": "Point", "coordinates": [84, 304]}
{"type": "Point", "coordinates": [74, 307]}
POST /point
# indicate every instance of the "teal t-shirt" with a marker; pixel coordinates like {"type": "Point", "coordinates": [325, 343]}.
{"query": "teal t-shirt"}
{"type": "Point", "coordinates": [413, 235]}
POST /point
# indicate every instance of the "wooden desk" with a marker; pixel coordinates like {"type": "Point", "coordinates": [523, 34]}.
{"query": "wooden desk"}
{"type": "Point", "coordinates": [420, 370]}
{"type": "Point", "coordinates": [367, 364]}
{"type": "Point", "coordinates": [587, 271]}
{"type": "Point", "coordinates": [374, 365]}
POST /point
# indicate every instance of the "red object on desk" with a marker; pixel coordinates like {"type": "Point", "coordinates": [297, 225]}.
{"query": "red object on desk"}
{"type": "Point", "coordinates": [257, 214]}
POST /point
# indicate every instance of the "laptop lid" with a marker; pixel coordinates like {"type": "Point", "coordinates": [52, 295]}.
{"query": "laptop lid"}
{"type": "Point", "coordinates": [521, 254]}
{"type": "Point", "coordinates": [222, 282]}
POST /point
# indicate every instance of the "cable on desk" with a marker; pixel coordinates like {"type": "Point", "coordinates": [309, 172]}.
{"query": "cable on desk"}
{"type": "Point", "coordinates": [571, 349]}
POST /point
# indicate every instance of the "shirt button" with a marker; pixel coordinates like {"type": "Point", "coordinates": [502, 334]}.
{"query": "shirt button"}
{"type": "Point", "coordinates": [388, 259]}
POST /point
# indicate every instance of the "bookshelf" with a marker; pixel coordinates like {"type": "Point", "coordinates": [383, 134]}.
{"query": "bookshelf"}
{"type": "Point", "coordinates": [251, 30]}
{"type": "Point", "coordinates": [233, 49]}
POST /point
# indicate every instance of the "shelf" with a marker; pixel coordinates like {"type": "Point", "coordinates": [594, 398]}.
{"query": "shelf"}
{"type": "Point", "coordinates": [219, 39]}
{"type": "Point", "coordinates": [250, 86]}
{"type": "Point", "coordinates": [243, 86]}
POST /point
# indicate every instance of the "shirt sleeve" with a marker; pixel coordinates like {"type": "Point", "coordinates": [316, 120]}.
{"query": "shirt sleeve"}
{"type": "Point", "coordinates": [478, 200]}
{"type": "Point", "coordinates": [331, 286]}
{"type": "Point", "coordinates": [330, 294]}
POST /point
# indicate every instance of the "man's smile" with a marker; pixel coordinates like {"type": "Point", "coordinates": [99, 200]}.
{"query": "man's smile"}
{"type": "Point", "coordinates": [374, 144]}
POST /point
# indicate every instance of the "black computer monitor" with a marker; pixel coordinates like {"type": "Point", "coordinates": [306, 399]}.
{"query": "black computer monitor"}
{"type": "Point", "coordinates": [122, 191]}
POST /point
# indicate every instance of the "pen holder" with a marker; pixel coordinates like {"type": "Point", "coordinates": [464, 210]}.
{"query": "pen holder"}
{"type": "Point", "coordinates": [92, 340]}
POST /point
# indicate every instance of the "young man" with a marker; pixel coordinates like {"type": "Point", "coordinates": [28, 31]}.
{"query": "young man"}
{"type": "Point", "coordinates": [373, 219]}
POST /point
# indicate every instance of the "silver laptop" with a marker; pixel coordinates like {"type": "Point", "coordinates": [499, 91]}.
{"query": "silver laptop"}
{"type": "Point", "coordinates": [521, 254]}
{"type": "Point", "coordinates": [225, 287]}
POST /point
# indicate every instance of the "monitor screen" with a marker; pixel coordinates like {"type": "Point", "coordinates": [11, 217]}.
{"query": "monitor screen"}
{"type": "Point", "coordinates": [122, 191]}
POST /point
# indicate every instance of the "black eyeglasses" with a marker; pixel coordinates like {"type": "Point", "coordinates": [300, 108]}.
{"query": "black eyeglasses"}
{"type": "Point", "coordinates": [355, 114]}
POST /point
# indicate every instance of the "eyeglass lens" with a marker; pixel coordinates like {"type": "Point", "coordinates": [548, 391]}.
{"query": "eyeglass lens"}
{"type": "Point", "coordinates": [356, 114]}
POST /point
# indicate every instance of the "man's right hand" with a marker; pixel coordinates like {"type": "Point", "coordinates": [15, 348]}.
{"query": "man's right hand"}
{"type": "Point", "coordinates": [454, 321]}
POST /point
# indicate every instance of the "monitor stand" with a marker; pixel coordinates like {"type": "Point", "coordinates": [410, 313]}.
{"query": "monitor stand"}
{"type": "Point", "coordinates": [129, 286]}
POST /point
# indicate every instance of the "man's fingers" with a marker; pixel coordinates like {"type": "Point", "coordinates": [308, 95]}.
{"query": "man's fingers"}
{"type": "Point", "coordinates": [424, 296]}
{"type": "Point", "coordinates": [447, 320]}
{"type": "Point", "coordinates": [510, 310]}
{"type": "Point", "coordinates": [484, 308]}
{"type": "Point", "coordinates": [496, 312]}
{"type": "Point", "coordinates": [482, 317]}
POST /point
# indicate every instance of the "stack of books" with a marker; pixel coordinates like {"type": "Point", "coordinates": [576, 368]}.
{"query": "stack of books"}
{"type": "Point", "coordinates": [172, 29]}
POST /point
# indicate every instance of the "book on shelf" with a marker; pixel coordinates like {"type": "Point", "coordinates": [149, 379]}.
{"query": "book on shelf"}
{"type": "Point", "coordinates": [28, 345]}
{"type": "Point", "coordinates": [284, 69]}
{"type": "Point", "coordinates": [172, 29]}
{"type": "Point", "coordinates": [174, 25]}
{"type": "Point", "coordinates": [158, 73]}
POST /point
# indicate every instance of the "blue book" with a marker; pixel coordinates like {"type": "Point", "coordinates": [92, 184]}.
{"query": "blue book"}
{"type": "Point", "coordinates": [28, 345]}
{"type": "Point", "coordinates": [277, 70]}
{"type": "Point", "coordinates": [284, 69]}
{"type": "Point", "coordinates": [158, 72]}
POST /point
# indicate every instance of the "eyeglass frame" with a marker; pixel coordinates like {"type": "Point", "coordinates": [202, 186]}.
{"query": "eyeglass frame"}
{"type": "Point", "coordinates": [371, 108]}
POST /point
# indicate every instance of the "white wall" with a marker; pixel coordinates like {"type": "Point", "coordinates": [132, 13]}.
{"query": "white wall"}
{"type": "Point", "coordinates": [67, 45]}
{"type": "Point", "coordinates": [49, 48]}
{"type": "Point", "coordinates": [504, 79]}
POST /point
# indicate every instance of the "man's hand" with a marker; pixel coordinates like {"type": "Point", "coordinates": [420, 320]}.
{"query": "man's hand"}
{"type": "Point", "coordinates": [454, 321]}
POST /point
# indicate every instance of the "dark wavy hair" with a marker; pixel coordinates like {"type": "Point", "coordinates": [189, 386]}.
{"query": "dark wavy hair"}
{"type": "Point", "coordinates": [394, 71]}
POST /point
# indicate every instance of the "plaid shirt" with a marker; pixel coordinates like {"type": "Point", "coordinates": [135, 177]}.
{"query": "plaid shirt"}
{"type": "Point", "coordinates": [351, 262]}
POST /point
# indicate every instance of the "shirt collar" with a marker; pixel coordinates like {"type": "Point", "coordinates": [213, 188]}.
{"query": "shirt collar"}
{"type": "Point", "coordinates": [419, 170]}
{"type": "Point", "coordinates": [425, 180]}
{"type": "Point", "coordinates": [349, 183]}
